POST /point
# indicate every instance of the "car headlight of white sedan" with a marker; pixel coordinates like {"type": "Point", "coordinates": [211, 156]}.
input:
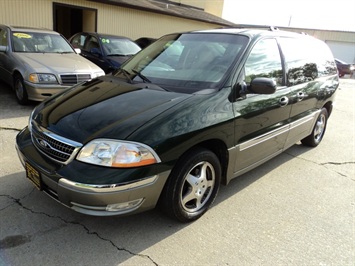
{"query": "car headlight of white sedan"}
{"type": "Point", "coordinates": [42, 78]}
{"type": "Point", "coordinates": [98, 74]}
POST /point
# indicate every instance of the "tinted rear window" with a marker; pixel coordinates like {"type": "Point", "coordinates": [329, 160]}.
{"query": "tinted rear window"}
{"type": "Point", "coordinates": [306, 59]}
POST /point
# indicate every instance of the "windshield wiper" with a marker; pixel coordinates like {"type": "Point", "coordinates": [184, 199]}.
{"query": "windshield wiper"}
{"type": "Point", "coordinates": [139, 74]}
{"type": "Point", "coordinates": [125, 73]}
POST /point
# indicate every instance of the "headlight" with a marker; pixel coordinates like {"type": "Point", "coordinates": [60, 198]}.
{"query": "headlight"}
{"type": "Point", "coordinates": [42, 78]}
{"type": "Point", "coordinates": [114, 153]}
{"type": "Point", "coordinates": [98, 74]}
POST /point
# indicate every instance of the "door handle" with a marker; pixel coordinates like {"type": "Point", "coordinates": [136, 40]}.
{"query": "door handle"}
{"type": "Point", "coordinates": [300, 96]}
{"type": "Point", "coordinates": [283, 101]}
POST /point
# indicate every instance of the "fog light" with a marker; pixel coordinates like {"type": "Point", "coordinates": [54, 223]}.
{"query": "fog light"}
{"type": "Point", "coordinates": [124, 206]}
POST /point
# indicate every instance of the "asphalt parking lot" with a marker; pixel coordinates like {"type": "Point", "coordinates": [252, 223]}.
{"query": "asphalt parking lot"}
{"type": "Point", "coordinates": [297, 209]}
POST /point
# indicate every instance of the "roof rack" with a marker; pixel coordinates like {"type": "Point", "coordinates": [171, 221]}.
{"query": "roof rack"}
{"type": "Point", "coordinates": [253, 26]}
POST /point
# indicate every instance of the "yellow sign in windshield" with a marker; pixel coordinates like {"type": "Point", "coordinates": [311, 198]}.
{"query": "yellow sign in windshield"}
{"type": "Point", "coordinates": [22, 35]}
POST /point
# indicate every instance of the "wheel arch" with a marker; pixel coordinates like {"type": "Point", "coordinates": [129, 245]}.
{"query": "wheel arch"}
{"type": "Point", "coordinates": [329, 107]}
{"type": "Point", "coordinates": [168, 196]}
{"type": "Point", "coordinates": [219, 148]}
{"type": "Point", "coordinates": [14, 75]}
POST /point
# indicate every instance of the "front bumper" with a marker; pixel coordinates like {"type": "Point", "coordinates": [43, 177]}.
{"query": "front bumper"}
{"type": "Point", "coordinates": [104, 199]}
{"type": "Point", "coordinates": [40, 92]}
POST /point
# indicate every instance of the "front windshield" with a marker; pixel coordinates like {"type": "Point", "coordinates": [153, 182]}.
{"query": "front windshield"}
{"type": "Point", "coordinates": [119, 46]}
{"type": "Point", "coordinates": [35, 42]}
{"type": "Point", "coordinates": [188, 62]}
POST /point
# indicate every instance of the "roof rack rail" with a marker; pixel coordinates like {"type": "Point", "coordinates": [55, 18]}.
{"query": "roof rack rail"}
{"type": "Point", "coordinates": [253, 26]}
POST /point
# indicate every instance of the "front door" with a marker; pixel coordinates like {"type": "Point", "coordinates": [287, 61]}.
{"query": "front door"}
{"type": "Point", "coordinates": [261, 124]}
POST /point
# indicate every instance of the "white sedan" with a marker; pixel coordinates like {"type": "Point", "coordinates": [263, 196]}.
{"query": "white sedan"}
{"type": "Point", "coordinates": [39, 63]}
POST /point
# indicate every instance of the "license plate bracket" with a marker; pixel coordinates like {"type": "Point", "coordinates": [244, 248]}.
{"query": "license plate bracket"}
{"type": "Point", "coordinates": [33, 175]}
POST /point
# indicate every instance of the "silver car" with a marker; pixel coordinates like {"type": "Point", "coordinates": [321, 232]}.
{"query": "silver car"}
{"type": "Point", "coordinates": [39, 63]}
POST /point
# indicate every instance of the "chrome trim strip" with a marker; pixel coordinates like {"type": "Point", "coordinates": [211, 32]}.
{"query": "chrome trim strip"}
{"type": "Point", "coordinates": [250, 143]}
{"type": "Point", "coordinates": [86, 207]}
{"type": "Point", "coordinates": [304, 119]}
{"type": "Point", "coordinates": [59, 138]}
{"type": "Point", "coordinates": [107, 187]}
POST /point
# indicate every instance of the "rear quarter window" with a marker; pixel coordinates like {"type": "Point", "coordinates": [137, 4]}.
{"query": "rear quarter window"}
{"type": "Point", "coordinates": [306, 59]}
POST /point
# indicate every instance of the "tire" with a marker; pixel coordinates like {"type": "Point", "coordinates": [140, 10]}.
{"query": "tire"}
{"type": "Point", "coordinates": [192, 186]}
{"type": "Point", "coordinates": [318, 131]}
{"type": "Point", "coordinates": [20, 90]}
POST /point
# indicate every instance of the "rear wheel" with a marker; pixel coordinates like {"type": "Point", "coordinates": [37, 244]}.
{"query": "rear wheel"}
{"type": "Point", "coordinates": [20, 90]}
{"type": "Point", "coordinates": [192, 186]}
{"type": "Point", "coordinates": [317, 134]}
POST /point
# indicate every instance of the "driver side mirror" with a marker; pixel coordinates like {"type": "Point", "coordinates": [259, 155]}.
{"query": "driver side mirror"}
{"type": "Point", "coordinates": [258, 86]}
{"type": "Point", "coordinates": [262, 86]}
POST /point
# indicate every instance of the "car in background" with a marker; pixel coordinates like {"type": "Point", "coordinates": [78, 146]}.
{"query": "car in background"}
{"type": "Point", "coordinates": [39, 63]}
{"type": "Point", "coordinates": [144, 41]}
{"type": "Point", "coordinates": [344, 68]}
{"type": "Point", "coordinates": [106, 51]}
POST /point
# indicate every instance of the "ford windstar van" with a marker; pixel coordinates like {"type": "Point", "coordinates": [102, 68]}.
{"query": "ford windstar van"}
{"type": "Point", "coordinates": [188, 113]}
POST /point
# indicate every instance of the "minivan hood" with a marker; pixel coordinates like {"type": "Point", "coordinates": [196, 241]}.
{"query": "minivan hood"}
{"type": "Point", "coordinates": [58, 63]}
{"type": "Point", "coordinates": [103, 108]}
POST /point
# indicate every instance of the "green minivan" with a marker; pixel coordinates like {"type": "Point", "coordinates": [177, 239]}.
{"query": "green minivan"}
{"type": "Point", "coordinates": [188, 113]}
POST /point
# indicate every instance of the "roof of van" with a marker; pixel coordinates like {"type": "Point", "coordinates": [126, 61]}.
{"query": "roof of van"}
{"type": "Point", "coordinates": [254, 31]}
{"type": "Point", "coordinates": [259, 32]}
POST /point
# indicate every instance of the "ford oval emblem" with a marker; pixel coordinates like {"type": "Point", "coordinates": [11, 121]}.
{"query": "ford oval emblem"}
{"type": "Point", "coordinates": [43, 143]}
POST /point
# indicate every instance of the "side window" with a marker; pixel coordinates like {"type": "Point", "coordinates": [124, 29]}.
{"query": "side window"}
{"type": "Point", "coordinates": [300, 63]}
{"type": "Point", "coordinates": [3, 37]}
{"type": "Point", "coordinates": [91, 42]}
{"type": "Point", "coordinates": [264, 61]}
{"type": "Point", "coordinates": [78, 41]}
{"type": "Point", "coordinates": [307, 59]}
{"type": "Point", "coordinates": [324, 60]}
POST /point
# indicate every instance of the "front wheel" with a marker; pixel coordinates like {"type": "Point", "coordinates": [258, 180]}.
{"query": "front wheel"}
{"type": "Point", "coordinates": [192, 186]}
{"type": "Point", "coordinates": [20, 90]}
{"type": "Point", "coordinates": [317, 134]}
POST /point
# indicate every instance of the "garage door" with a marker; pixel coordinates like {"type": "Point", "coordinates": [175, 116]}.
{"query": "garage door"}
{"type": "Point", "coordinates": [344, 51]}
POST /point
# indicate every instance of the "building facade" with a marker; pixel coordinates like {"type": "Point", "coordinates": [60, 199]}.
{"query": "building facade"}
{"type": "Point", "coordinates": [142, 18]}
{"type": "Point", "coordinates": [131, 18]}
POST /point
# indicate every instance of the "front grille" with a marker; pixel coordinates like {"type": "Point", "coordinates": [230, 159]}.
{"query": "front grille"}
{"type": "Point", "coordinates": [74, 78]}
{"type": "Point", "coordinates": [54, 146]}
